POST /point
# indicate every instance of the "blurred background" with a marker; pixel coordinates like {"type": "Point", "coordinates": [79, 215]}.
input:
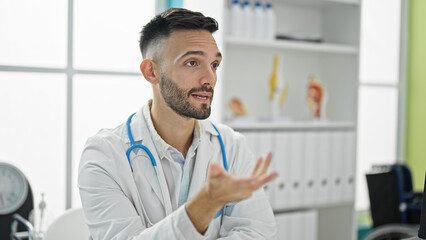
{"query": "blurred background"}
{"type": "Point", "coordinates": [70, 67]}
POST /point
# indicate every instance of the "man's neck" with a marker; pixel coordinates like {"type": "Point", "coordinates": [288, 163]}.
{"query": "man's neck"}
{"type": "Point", "coordinates": [175, 130]}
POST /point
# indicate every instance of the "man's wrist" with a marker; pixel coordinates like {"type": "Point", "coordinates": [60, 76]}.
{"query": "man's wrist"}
{"type": "Point", "coordinates": [201, 210]}
{"type": "Point", "coordinates": [210, 201]}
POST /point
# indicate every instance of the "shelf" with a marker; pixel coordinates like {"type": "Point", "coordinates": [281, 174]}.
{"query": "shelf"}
{"type": "Point", "coordinates": [294, 45]}
{"type": "Point", "coordinates": [320, 2]}
{"type": "Point", "coordinates": [290, 125]}
{"type": "Point", "coordinates": [313, 207]}
{"type": "Point", "coordinates": [350, 2]}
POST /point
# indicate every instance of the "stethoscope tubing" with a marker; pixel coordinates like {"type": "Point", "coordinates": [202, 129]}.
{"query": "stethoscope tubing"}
{"type": "Point", "coordinates": [222, 147]}
{"type": "Point", "coordinates": [154, 163]}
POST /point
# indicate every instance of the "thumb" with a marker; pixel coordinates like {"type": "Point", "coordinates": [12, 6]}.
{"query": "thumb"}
{"type": "Point", "coordinates": [214, 170]}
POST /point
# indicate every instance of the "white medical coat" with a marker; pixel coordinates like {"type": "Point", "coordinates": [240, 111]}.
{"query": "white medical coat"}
{"type": "Point", "coordinates": [108, 188]}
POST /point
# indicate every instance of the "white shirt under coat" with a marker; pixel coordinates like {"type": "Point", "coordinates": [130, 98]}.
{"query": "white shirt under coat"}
{"type": "Point", "coordinates": [108, 187]}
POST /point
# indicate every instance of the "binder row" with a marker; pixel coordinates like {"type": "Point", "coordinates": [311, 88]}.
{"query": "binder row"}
{"type": "Point", "coordinates": [297, 225]}
{"type": "Point", "coordinates": [315, 168]}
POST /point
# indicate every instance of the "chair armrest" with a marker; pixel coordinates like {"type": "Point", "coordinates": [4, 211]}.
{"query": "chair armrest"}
{"type": "Point", "coordinates": [16, 218]}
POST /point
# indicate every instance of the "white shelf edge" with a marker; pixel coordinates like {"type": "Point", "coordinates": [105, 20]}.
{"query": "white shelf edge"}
{"type": "Point", "coordinates": [319, 2]}
{"type": "Point", "coordinates": [294, 45]}
{"type": "Point", "coordinates": [350, 2]}
{"type": "Point", "coordinates": [314, 206]}
{"type": "Point", "coordinates": [312, 125]}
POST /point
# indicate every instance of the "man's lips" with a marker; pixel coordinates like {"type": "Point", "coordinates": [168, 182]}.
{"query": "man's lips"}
{"type": "Point", "coordinates": [201, 91]}
{"type": "Point", "coordinates": [202, 95]}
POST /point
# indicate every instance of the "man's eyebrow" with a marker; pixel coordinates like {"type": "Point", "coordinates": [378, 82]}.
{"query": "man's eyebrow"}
{"type": "Point", "coordinates": [201, 53]}
{"type": "Point", "coordinates": [219, 54]}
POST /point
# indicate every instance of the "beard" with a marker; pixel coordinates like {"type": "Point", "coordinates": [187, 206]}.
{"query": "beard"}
{"type": "Point", "coordinates": [177, 99]}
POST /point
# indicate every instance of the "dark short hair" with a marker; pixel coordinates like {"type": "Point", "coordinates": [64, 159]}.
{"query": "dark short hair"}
{"type": "Point", "coordinates": [162, 25]}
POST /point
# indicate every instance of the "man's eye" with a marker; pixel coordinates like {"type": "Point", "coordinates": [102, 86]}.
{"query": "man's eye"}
{"type": "Point", "coordinates": [215, 65]}
{"type": "Point", "coordinates": [191, 63]}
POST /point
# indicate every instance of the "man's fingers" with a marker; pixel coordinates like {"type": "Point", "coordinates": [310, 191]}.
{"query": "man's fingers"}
{"type": "Point", "coordinates": [255, 182]}
{"type": "Point", "coordinates": [262, 180]}
{"type": "Point", "coordinates": [265, 163]}
{"type": "Point", "coordinates": [257, 166]}
{"type": "Point", "coordinates": [262, 165]}
{"type": "Point", "coordinates": [268, 177]}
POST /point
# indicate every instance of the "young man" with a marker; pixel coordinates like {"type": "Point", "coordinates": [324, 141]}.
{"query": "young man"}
{"type": "Point", "coordinates": [188, 194]}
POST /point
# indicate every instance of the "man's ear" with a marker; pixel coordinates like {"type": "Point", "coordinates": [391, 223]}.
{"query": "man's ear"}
{"type": "Point", "coordinates": [149, 70]}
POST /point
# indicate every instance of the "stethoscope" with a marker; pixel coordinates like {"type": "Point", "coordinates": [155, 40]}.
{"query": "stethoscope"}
{"type": "Point", "coordinates": [133, 146]}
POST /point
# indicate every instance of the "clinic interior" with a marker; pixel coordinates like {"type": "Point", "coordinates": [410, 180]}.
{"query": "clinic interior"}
{"type": "Point", "coordinates": [71, 67]}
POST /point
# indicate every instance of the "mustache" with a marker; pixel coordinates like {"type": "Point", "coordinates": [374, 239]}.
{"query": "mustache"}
{"type": "Point", "coordinates": [200, 89]}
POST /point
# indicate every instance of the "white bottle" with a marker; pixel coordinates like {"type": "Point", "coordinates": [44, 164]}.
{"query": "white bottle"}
{"type": "Point", "coordinates": [236, 19]}
{"type": "Point", "coordinates": [248, 20]}
{"type": "Point", "coordinates": [259, 21]}
{"type": "Point", "coordinates": [271, 22]}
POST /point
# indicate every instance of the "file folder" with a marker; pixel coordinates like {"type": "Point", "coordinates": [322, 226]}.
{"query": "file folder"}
{"type": "Point", "coordinates": [283, 221]}
{"type": "Point", "coordinates": [310, 225]}
{"type": "Point", "coordinates": [296, 158]}
{"type": "Point", "coordinates": [337, 165]}
{"type": "Point", "coordinates": [265, 145]}
{"type": "Point", "coordinates": [284, 168]}
{"type": "Point", "coordinates": [298, 228]}
{"type": "Point", "coordinates": [251, 140]}
{"type": "Point", "coordinates": [297, 225]}
{"type": "Point", "coordinates": [260, 143]}
{"type": "Point", "coordinates": [350, 166]}
{"type": "Point", "coordinates": [310, 175]}
{"type": "Point", "coordinates": [324, 171]}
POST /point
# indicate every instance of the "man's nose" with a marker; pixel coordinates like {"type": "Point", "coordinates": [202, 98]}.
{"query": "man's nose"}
{"type": "Point", "coordinates": [209, 76]}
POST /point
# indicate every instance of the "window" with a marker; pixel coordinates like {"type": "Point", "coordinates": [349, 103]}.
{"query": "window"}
{"type": "Point", "coordinates": [33, 33]}
{"type": "Point", "coordinates": [33, 132]}
{"type": "Point", "coordinates": [66, 73]}
{"type": "Point", "coordinates": [107, 38]}
{"type": "Point", "coordinates": [379, 91]}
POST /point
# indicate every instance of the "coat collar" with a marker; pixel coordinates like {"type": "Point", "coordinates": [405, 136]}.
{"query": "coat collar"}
{"type": "Point", "coordinates": [208, 150]}
{"type": "Point", "coordinates": [139, 126]}
{"type": "Point", "coordinates": [207, 126]}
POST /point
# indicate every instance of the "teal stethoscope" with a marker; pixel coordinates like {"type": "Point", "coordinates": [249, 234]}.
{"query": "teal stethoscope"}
{"type": "Point", "coordinates": [133, 146]}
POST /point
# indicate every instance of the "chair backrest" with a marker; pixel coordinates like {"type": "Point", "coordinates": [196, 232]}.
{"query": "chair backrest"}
{"type": "Point", "coordinates": [69, 226]}
{"type": "Point", "coordinates": [384, 197]}
{"type": "Point", "coordinates": [422, 230]}
{"type": "Point", "coordinates": [392, 199]}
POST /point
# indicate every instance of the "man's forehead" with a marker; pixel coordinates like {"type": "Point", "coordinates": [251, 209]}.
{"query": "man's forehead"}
{"type": "Point", "coordinates": [191, 34]}
{"type": "Point", "coordinates": [191, 40]}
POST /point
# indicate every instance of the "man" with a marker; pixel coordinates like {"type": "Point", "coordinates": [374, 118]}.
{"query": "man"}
{"type": "Point", "coordinates": [188, 194]}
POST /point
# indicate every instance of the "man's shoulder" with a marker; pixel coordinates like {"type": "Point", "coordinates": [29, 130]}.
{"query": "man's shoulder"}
{"type": "Point", "coordinates": [115, 132]}
{"type": "Point", "coordinates": [119, 133]}
{"type": "Point", "coordinates": [106, 149]}
{"type": "Point", "coordinates": [111, 135]}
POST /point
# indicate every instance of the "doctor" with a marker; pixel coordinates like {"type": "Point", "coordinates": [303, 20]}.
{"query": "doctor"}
{"type": "Point", "coordinates": [176, 186]}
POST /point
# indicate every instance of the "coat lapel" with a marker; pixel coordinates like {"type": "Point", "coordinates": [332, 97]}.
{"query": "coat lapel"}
{"type": "Point", "coordinates": [208, 151]}
{"type": "Point", "coordinates": [140, 160]}
{"type": "Point", "coordinates": [143, 168]}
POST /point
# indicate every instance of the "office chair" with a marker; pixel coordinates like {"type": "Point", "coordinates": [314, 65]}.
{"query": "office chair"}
{"type": "Point", "coordinates": [69, 226]}
{"type": "Point", "coordinates": [392, 199]}
{"type": "Point", "coordinates": [406, 225]}
{"type": "Point", "coordinates": [392, 232]}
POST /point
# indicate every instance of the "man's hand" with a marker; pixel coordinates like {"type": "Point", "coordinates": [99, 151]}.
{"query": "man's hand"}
{"type": "Point", "coordinates": [224, 187]}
